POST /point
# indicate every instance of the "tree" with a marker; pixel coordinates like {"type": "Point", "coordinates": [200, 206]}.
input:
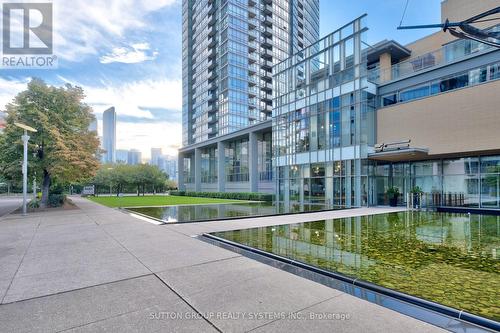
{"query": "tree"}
{"type": "Point", "coordinates": [63, 149]}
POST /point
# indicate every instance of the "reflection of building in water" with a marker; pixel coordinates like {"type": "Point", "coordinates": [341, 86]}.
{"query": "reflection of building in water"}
{"type": "Point", "coordinates": [359, 242]}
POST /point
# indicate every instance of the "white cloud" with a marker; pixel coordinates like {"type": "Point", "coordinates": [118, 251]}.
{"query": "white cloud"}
{"type": "Point", "coordinates": [83, 27]}
{"type": "Point", "coordinates": [130, 55]}
{"type": "Point", "coordinates": [134, 99]}
{"type": "Point", "coordinates": [9, 89]}
{"type": "Point", "coordinates": [144, 136]}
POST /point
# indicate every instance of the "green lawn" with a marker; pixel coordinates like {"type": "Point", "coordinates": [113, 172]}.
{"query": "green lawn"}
{"type": "Point", "coordinates": [155, 200]}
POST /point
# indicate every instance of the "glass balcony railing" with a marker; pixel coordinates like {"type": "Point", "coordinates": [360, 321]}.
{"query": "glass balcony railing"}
{"type": "Point", "coordinates": [450, 53]}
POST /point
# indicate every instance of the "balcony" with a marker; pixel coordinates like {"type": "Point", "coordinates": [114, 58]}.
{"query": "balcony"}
{"type": "Point", "coordinates": [266, 8]}
{"type": "Point", "coordinates": [253, 68]}
{"type": "Point", "coordinates": [252, 23]}
{"type": "Point", "coordinates": [252, 34]}
{"type": "Point", "coordinates": [212, 119]}
{"type": "Point", "coordinates": [252, 12]}
{"type": "Point", "coordinates": [450, 53]}
{"type": "Point", "coordinates": [252, 57]}
{"type": "Point", "coordinates": [211, 41]}
{"type": "Point", "coordinates": [267, 64]}
{"type": "Point", "coordinates": [266, 86]}
{"type": "Point", "coordinates": [267, 20]}
{"type": "Point", "coordinates": [267, 75]}
{"type": "Point", "coordinates": [266, 42]}
{"type": "Point", "coordinates": [267, 98]}
{"type": "Point", "coordinates": [266, 31]}
{"type": "Point", "coordinates": [266, 53]}
{"type": "Point", "coordinates": [252, 91]}
{"type": "Point", "coordinates": [252, 80]}
{"type": "Point", "coordinates": [252, 46]}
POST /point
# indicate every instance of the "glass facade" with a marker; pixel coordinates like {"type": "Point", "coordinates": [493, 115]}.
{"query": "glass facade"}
{"type": "Point", "coordinates": [456, 81]}
{"type": "Point", "coordinates": [461, 182]}
{"type": "Point", "coordinates": [323, 123]}
{"type": "Point", "coordinates": [236, 163]}
{"type": "Point", "coordinates": [209, 165]}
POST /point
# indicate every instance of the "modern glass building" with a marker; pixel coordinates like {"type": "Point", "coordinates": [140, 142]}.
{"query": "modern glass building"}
{"type": "Point", "coordinates": [229, 49]}
{"type": "Point", "coordinates": [350, 122]}
{"type": "Point", "coordinates": [109, 135]}
{"type": "Point", "coordinates": [323, 122]}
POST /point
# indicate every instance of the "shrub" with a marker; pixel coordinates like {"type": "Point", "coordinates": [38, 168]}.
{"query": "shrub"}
{"type": "Point", "coordinates": [227, 195]}
{"type": "Point", "coordinates": [56, 189]}
{"type": "Point", "coordinates": [56, 200]}
{"type": "Point", "coordinates": [35, 203]}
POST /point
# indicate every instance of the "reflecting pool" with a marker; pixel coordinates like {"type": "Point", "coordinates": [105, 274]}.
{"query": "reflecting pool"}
{"type": "Point", "coordinates": [452, 259]}
{"type": "Point", "coordinates": [192, 213]}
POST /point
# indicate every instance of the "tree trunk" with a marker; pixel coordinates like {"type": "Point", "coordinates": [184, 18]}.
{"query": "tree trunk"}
{"type": "Point", "coordinates": [45, 189]}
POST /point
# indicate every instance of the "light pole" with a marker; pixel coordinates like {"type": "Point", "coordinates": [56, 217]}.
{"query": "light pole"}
{"type": "Point", "coordinates": [25, 139]}
{"type": "Point", "coordinates": [110, 185]}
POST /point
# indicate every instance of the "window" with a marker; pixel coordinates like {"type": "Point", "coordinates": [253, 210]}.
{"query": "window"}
{"type": "Point", "coordinates": [414, 93]}
{"type": "Point", "coordinates": [389, 99]}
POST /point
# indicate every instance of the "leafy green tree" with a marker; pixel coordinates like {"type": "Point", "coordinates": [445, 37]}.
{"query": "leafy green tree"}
{"type": "Point", "coordinates": [63, 149]}
{"type": "Point", "coordinates": [124, 178]}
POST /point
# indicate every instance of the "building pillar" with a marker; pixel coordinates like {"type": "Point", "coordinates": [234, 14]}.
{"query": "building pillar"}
{"type": "Point", "coordinates": [253, 162]}
{"type": "Point", "coordinates": [385, 67]}
{"type": "Point", "coordinates": [221, 166]}
{"type": "Point", "coordinates": [348, 184]}
{"type": "Point", "coordinates": [180, 172]}
{"type": "Point", "coordinates": [197, 169]}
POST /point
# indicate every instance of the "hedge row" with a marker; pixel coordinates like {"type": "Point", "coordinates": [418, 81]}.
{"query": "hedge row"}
{"type": "Point", "coordinates": [56, 200]}
{"type": "Point", "coordinates": [227, 195]}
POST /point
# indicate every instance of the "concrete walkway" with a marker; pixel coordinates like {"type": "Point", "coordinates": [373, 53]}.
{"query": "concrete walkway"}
{"type": "Point", "coordinates": [97, 269]}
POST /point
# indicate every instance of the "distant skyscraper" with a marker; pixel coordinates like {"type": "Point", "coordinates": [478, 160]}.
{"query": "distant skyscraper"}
{"type": "Point", "coordinates": [109, 135]}
{"type": "Point", "coordinates": [155, 154]}
{"type": "Point", "coordinates": [134, 157]}
{"type": "Point", "coordinates": [122, 156]}
{"type": "Point", "coordinates": [170, 167]}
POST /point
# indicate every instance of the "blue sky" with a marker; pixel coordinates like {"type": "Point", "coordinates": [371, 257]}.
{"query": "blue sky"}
{"type": "Point", "coordinates": [127, 53]}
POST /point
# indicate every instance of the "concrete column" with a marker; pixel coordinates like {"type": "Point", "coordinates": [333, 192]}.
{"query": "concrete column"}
{"type": "Point", "coordinates": [253, 162]}
{"type": "Point", "coordinates": [385, 67]}
{"type": "Point", "coordinates": [348, 184]}
{"type": "Point", "coordinates": [221, 166]}
{"type": "Point", "coordinates": [197, 169]}
{"type": "Point", "coordinates": [180, 172]}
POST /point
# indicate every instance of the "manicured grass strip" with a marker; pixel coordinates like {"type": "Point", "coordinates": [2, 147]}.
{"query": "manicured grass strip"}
{"type": "Point", "coordinates": [156, 200]}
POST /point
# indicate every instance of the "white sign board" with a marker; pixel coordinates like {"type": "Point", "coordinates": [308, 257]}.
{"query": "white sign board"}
{"type": "Point", "coordinates": [88, 190]}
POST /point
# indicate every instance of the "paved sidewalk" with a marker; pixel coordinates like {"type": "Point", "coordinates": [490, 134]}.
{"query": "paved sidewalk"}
{"type": "Point", "coordinates": [97, 269]}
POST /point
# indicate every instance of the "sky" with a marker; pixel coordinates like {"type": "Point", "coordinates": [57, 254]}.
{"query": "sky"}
{"type": "Point", "coordinates": [127, 54]}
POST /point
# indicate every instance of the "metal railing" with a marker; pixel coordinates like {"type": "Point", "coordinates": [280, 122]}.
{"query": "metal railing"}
{"type": "Point", "coordinates": [449, 53]}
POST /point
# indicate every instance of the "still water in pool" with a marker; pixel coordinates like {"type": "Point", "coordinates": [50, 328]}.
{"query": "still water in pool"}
{"type": "Point", "coordinates": [452, 259]}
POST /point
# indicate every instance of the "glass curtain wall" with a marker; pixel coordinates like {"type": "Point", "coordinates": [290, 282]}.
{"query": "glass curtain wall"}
{"type": "Point", "coordinates": [323, 122]}
{"type": "Point", "coordinates": [209, 165]}
{"type": "Point", "coordinates": [236, 153]}
{"type": "Point", "coordinates": [462, 182]}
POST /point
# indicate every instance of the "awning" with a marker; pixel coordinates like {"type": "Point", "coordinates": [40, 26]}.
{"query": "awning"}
{"type": "Point", "coordinates": [399, 155]}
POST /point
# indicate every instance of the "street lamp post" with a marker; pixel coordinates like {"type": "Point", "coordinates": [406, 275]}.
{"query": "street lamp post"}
{"type": "Point", "coordinates": [25, 139]}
